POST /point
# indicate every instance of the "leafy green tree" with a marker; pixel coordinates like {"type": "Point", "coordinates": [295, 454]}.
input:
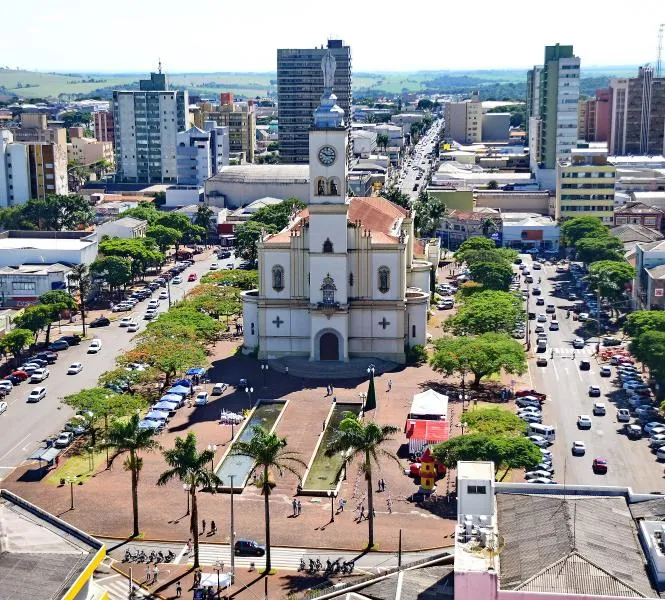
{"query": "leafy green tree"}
{"type": "Point", "coordinates": [366, 441]}
{"type": "Point", "coordinates": [382, 140]}
{"type": "Point", "coordinates": [494, 421]}
{"type": "Point", "coordinates": [573, 230]}
{"type": "Point", "coordinates": [140, 251]}
{"type": "Point", "coordinates": [57, 301]}
{"type": "Point", "coordinates": [485, 312]}
{"type": "Point", "coordinates": [278, 215]}
{"type": "Point", "coordinates": [116, 270]}
{"type": "Point", "coordinates": [481, 249]}
{"type": "Point", "coordinates": [204, 327]}
{"type": "Point", "coordinates": [428, 213]}
{"type": "Point", "coordinates": [126, 437]}
{"type": "Point", "coordinates": [649, 349]}
{"type": "Point", "coordinates": [492, 275]}
{"type": "Point", "coordinates": [248, 236]}
{"type": "Point", "coordinates": [396, 196]}
{"type": "Point", "coordinates": [489, 226]}
{"type": "Point", "coordinates": [35, 318]}
{"type": "Point", "coordinates": [190, 233]}
{"type": "Point", "coordinates": [13, 217]}
{"type": "Point", "coordinates": [239, 278]}
{"type": "Point", "coordinates": [215, 300]}
{"type": "Point", "coordinates": [425, 104]}
{"type": "Point", "coordinates": [599, 248]}
{"type": "Point", "coordinates": [76, 118]}
{"type": "Point", "coordinates": [79, 279]}
{"type": "Point", "coordinates": [146, 211]}
{"type": "Point", "coordinates": [164, 237]}
{"type": "Point", "coordinates": [609, 278]}
{"type": "Point", "coordinates": [15, 341]}
{"type": "Point", "coordinates": [269, 454]}
{"type": "Point", "coordinates": [481, 355]}
{"type": "Point", "coordinates": [641, 321]}
{"type": "Point", "coordinates": [203, 216]}
{"type": "Point", "coordinates": [56, 212]}
{"type": "Point", "coordinates": [190, 467]}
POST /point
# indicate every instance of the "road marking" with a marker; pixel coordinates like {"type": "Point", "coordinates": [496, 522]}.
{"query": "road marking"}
{"type": "Point", "coordinates": [15, 446]}
{"type": "Point", "coordinates": [556, 373]}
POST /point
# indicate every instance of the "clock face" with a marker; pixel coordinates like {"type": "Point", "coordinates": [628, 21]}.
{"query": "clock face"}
{"type": "Point", "coordinates": [327, 155]}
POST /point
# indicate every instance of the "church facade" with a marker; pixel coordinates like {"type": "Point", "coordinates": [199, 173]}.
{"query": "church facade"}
{"type": "Point", "coordinates": [341, 280]}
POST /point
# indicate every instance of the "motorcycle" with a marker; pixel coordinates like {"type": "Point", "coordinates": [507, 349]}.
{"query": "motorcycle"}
{"type": "Point", "coordinates": [170, 555]}
{"type": "Point", "coordinates": [302, 565]}
{"type": "Point", "coordinates": [347, 567]}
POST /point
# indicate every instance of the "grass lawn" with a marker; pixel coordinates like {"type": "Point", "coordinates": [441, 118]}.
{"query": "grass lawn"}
{"type": "Point", "coordinates": [77, 465]}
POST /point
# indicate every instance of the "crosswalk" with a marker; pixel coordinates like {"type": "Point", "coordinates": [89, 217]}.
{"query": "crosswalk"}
{"type": "Point", "coordinates": [569, 351]}
{"type": "Point", "coordinates": [117, 587]}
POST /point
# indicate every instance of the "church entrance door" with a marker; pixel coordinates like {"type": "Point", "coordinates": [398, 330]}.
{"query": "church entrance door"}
{"type": "Point", "coordinates": [329, 347]}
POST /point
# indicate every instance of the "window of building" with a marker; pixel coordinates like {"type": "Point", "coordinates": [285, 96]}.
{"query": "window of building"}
{"type": "Point", "coordinates": [413, 331]}
{"type": "Point", "coordinates": [384, 279]}
{"type": "Point", "coordinates": [278, 278]}
{"type": "Point", "coordinates": [328, 290]}
{"type": "Point", "coordinates": [350, 279]}
{"type": "Point", "coordinates": [251, 328]}
{"type": "Point", "coordinates": [328, 246]}
{"type": "Point", "coordinates": [24, 286]}
{"type": "Point", "coordinates": [476, 489]}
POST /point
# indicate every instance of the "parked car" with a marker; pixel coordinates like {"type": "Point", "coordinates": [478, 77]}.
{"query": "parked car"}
{"type": "Point", "coordinates": [75, 368]}
{"type": "Point", "coordinates": [58, 345]}
{"type": "Point", "coordinates": [611, 341]}
{"type": "Point", "coordinates": [634, 432]}
{"type": "Point", "coordinates": [657, 440]}
{"type": "Point", "coordinates": [605, 371]}
{"type": "Point", "coordinates": [48, 356]}
{"type": "Point", "coordinates": [72, 340]}
{"type": "Point", "coordinates": [539, 441]}
{"type": "Point", "coordinates": [39, 375]}
{"type": "Point", "coordinates": [100, 322]}
{"type": "Point", "coordinates": [446, 304]}
{"type": "Point", "coordinates": [248, 548]}
{"type": "Point", "coordinates": [64, 439]}
{"type": "Point", "coordinates": [649, 427]}
{"type": "Point", "coordinates": [623, 415]}
{"type": "Point", "coordinates": [37, 394]}
{"type": "Point", "coordinates": [218, 389]}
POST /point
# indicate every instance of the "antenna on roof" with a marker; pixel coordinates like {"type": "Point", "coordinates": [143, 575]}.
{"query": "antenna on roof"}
{"type": "Point", "coordinates": [159, 66]}
{"type": "Point", "coordinates": [574, 525]}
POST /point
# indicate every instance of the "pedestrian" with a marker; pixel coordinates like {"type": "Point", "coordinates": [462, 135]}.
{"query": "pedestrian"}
{"type": "Point", "coordinates": [340, 505]}
{"type": "Point", "coordinates": [295, 507]}
{"type": "Point", "coordinates": [213, 528]}
{"type": "Point", "coordinates": [373, 513]}
{"type": "Point", "coordinates": [389, 502]}
{"type": "Point", "coordinates": [390, 384]}
{"type": "Point", "coordinates": [362, 512]}
{"type": "Point", "coordinates": [299, 507]}
{"type": "Point", "coordinates": [189, 546]}
{"type": "Point", "coordinates": [148, 573]}
{"type": "Point", "coordinates": [178, 590]}
{"type": "Point", "coordinates": [155, 573]}
{"type": "Point", "coordinates": [334, 399]}
{"type": "Point", "coordinates": [203, 526]}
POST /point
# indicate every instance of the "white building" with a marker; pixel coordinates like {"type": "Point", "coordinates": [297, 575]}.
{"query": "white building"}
{"type": "Point", "coordinates": [364, 143]}
{"type": "Point", "coordinates": [529, 230]}
{"type": "Point", "coordinates": [464, 120]}
{"type": "Point", "coordinates": [47, 247]}
{"type": "Point", "coordinates": [14, 171]}
{"type": "Point", "coordinates": [22, 285]}
{"type": "Point", "coordinates": [200, 154]}
{"type": "Point", "coordinates": [125, 227]}
{"type": "Point", "coordinates": [341, 280]}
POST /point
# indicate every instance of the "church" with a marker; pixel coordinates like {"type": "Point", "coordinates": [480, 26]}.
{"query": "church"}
{"type": "Point", "coordinates": [341, 280]}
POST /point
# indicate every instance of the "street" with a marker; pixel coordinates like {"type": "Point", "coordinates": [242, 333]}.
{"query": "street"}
{"type": "Point", "coordinates": [418, 164]}
{"type": "Point", "coordinates": [25, 426]}
{"type": "Point", "coordinates": [630, 463]}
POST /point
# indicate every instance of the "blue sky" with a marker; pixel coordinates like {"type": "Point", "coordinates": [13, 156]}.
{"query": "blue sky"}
{"type": "Point", "coordinates": [219, 35]}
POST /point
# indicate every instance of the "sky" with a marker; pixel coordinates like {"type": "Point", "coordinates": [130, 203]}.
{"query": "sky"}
{"type": "Point", "coordinates": [386, 35]}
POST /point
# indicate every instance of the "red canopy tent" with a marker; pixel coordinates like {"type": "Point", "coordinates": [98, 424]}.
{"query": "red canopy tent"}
{"type": "Point", "coordinates": [423, 432]}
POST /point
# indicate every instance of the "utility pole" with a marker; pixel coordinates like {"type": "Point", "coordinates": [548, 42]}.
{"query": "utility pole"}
{"type": "Point", "coordinates": [233, 552]}
{"type": "Point", "coordinates": [660, 49]}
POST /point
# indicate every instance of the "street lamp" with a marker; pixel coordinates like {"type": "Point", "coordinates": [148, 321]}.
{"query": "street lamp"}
{"type": "Point", "coordinates": [264, 370]}
{"type": "Point", "coordinates": [464, 398]}
{"type": "Point", "coordinates": [331, 495]}
{"type": "Point", "coordinates": [187, 487]}
{"type": "Point", "coordinates": [250, 391]}
{"type": "Point", "coordinates": [219, 566]}
{"type": "Point", "coordinates": [212, 448]}
{"type": "Point", "coordinates": [462, 425]}
{"type": "Point", "coordinates": [71, 481]}
{"type": "Point", "coordinates": [370, 370]}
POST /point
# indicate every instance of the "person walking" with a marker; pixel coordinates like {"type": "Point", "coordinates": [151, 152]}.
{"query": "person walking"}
{"type": "Point", "coordinates": [148, 573]}
{"type": "Point", "coordinates": [213, 528]}
{"type": "Point", "coordinates": [340, 505]}
{"type": "Point", "coordinates": [178, 590]}
{"type": "Point", "coordinates": [294, 504]}
{"type": "Point", "coordinates": [389, 502]}
{"type": "Point", "coordinates": [362, 513]}
{"type": "Point", "coordinates": [390, 384]}
{"type": "Point", "coordinates": [299, 507]}
{"type": "Point", "coordinates": [155, 574]}
{"type": "Point", "coordinates": [189, 546]}
{"type": "Point", "coordinates": [203, 526]}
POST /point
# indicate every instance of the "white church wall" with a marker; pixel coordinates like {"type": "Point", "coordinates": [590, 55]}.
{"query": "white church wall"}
{"type": "Point", "coordinates": [250, 319]}
{"type": "Point", "coordinates": [323, 265]}
{"type": "Point", "coordinates": [277, 322]}
{"type": "Point", "coordinates": [392, 261]}
{"type": "Point", "coordinates": [417, 317]}
{"type": "Point", "coordinates": [328, 226]}
{"type": "Point", "coordinates": [276, 258]}
{"type": "Point", "coordinates": [419, 277]}
{"type": "Point", "coordinates": [338, 324]}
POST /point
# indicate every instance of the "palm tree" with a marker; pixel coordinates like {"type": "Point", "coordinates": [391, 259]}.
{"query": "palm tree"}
{"type": "Point", "coordinates": [80, 277]}
{"type": "Point", "coordinates": [488, 226]}
{"type": "Point", "coordinates": [268, 453]}
{"type": "Point", "coordinates": [355, 438]}
{"type": "Point", "coordinates": [128, 437]}
{"type": "Point", "coordinates": [191, 467]}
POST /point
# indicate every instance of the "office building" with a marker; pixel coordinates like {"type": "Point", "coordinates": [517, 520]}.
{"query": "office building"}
{"type": "Point", "coordinates": [593, 117]}
{"type": "Point", "coordinates": [103, 123]}
{"type": "Point", "coordinates": [585, 184]}
{"type": "Point", "coordinates": [637, 114]}
{"type": "Point", "coordinates": [553, 92]}
{"type": "Point", "coordinates": [464, 120]}
{"type": "Point", "coordinates": [240, 119]}
{"type": "Point", "coordinates": [34, 127]}
{"type": "Point", "coordinates": [146, 123]}
{"type": "Point", "coordinates": [200, 154]}
{"type": "Point", "coordinates": [299, 88]}
{"type": "Point", "coordinates": [14, 172]}
{"type": "Point", "coordinates": [86, 151]}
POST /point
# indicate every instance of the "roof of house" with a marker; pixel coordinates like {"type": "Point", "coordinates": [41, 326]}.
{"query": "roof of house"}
{"type": "Point", "coordinates": [130, 222]}
{"type": "Point", "coordinates": [636, 208]}
{"type": "Point", "coordinates": [39, 269]}
{"type": "Point", "coordinates": [571, 546]}
{"type": "Point", "coordinates": [251, 173]}
{"type": "Point", "coordinates": [632, 232]}
{"type": "Point", "coordinates": [649, 246]}
{"type": "Point", "coordinates": [656, 272]}
{"type": "Point", "coordinates": [651, 510]}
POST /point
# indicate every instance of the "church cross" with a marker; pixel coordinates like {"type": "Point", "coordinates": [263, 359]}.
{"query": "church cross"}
{"type": "Point", "coordinates": [384, 323]}
{"type": "Point", "coordinates": [278, 322]}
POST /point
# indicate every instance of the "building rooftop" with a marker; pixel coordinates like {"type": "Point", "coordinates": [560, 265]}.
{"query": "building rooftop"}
{"type": "Point", "coordinates": [475, 470]}
{"type": "Point", "coordinates": [17, 243]}
{"type": "Point", "coordinates": [28, 269]}
{"type": "Point", "coordinates": [262, 173]}
{"type": "Point", "coordinates": [129, 222]}
{"type": "Point", "coordinates": [657, 246]}
{"type": "Point", "coordinates": [632, 232]}
{"type": "Point", "coordinates": [570, 545]}
{"type": "Point", "coordinates": [656, 272]}
{"type": "Point", "coordinates": [526, 219]}
{"type": "Point", "coordinates": [636, 208]}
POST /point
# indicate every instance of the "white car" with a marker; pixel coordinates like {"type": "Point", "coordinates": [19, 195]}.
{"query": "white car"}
{"type": "Point", "coordinates": [75, 368]}
{"type": "Point", "coordinates": [39, 375]}
{"type": "Point", "coordinates": [95, 346]}
{"type": "Point", "coordinates": [578, 343]}
{"type": "Point", "coordinates": [213, 266]}
{"type": "Point", "coordinates": [542, 318]}
{"type": "Point", "coordinates": [201, 399]}
{"type": "Point", "coordinates": [584, 422]}
{"type": "Point", "coordinates": [133, 327]}
{"type": "Point", "coordinates": [153, 304]}
{"type": "Point", "coordinates": [150, 314]}
{"type": "Point", "coordinates": [37, 394]}
{"type": "Point", "coordinates": [599, 409]}
{"type": "Point", "coordinates": [623, 415]}
{"type": "Point", "coordinates": [537, 475]}
{"type": "Point", "coordinates": [5, 384]}
{"type": "Point", "coordinates": [657, 440]}
{"type": "Point", "coordinates": [64, 439]}
{"type": "Point", "coordinates": [177, 279]}
{"type": "Point", "coordinates": [539, 441]}
{"type": "Point", "coordinates": [163, 295]}
{"type": "Point", "coordinates": [125, 321]}
{"type": "Point", "coordinates": [218, 389]}
{"type": "Point", "coordinates": [583, 316]}
{"type": "Point", "coordinates": [578, 448]}
{"type": "Point", "coordinates": [652, 425]}
{"type": "Point", "coordinates": [3, 407]}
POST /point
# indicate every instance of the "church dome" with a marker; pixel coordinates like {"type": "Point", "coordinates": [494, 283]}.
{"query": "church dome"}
{"type": "Point", "coordinates": [328, 114]}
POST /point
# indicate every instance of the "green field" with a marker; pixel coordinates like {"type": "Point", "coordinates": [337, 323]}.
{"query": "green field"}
{"type": "Point", "coordinates": [499, 83]}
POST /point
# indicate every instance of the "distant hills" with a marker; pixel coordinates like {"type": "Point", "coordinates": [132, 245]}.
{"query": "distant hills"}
{"type": "Point", "coordinates": [493, 85]}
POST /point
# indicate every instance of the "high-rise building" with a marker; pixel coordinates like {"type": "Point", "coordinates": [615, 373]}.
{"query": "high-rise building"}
{"type": "Point", "coordinates": [553, 92]}
{"type": "Point", "coordinates": [637, 114]}
{"type": "Point", "coordinates": [103, 121]}
{"type": "Point", "coordinates": [35, 128]}
{"type": "Point", "coordinates": [146, 123]}
{"type": "Point", "coordinates": [47, 165]}
{"type": "Point", "coordinates": [299, 89]}
{"type": "Point", "coordinates": [464, 120]}
{"type": "Point", "coordinates": [240, 118]}
{"type": "Point", "coordinates": [14, 173]}
{"type": "Point", "coordinates": [200, 154]}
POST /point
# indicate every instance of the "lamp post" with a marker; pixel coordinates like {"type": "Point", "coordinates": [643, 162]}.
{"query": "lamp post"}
{"type": "Point", "coordinates": [71, 481]}
{"type": "Point", "coordinates": [212, 448]}
{"type": "Point", "coordinates": [232, 538]}
{"type": "Point", "coordinates": [187, 487]}
{"type": "Point", "coordinates": [462, 425]}
{"type": "Point", "coordinates": [250, 391]}
{"type": "Point", "coordinates": [219, 566]}
{"type": "Point", "coordinates": [528, 325]}
{"type": "Point", "coordinates": [264, 371]}
{"type": "Point", "coordinates": [370, 370]}
{"type": "Point", "coordinates": [331, 494]}
{"type": "Point", "coordinates": [464, 398]}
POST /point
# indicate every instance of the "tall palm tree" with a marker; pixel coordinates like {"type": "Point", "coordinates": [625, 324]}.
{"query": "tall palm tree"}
{"type": "Point", "coordinates": [269, 454]}
{"type": "Point", "coordinates": [125, 437]}
{"type": "Point", "coordinates": [80, 277]}
{"type": "Point", "coordinates": [191, 467]}
{"type": "Point", "coordinates": [365, 440]}
{"type": "Point", "coordinates": [488, 226]}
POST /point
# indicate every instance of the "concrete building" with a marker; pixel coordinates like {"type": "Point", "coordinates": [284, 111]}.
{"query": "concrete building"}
{"type": "Point", "coordinates": [47, 164]}
{"type": "Point", "coordinates": [464, 120]}
{"type": "Point", "coordinates": [553, 92]}
{"type": "Point", "coordinates": [638, 213]}
{"type": "Point", "coordinates": [540, 202]}
{"type": "Point", "coordinates": [459, 225]}
{"type": "Point", "coordinates": [240, 119]}
{"type": "Point", "coordinates": [637, 114]}
{"type": "Point", "coordinates": [495, 127]}
{"type": "Point", "coordinates": [36, 128]}
{"type": "Point", "coordinates": [200, 154]}
{"type": "Point", "coordinates": [459, 176]}
{"type": "Point", "coordinates": [585, 184]}
{"type": "Point", "coordinates": [299, 89]}
{"type": "Point", "coordinates": [124, 227]}
{"type": "Point", "coordinates": [405, 120]}
{"type": "Point", "coordinates": [14, 171]}
{"type": "Point", "coordinates": [47, 247]}
{"type": "Point", "coordinates": [238, 185]}
{"type": "Point", "coordinates": [146, 123]}
{"type": "Point", "coordinates": [103, 123]}
{"type": "Point", "coordinates": [593, 119]}
{"type": "Point", "coordinates": [23, 284]}
{"type": "Point", "coordinates": [363, 143]}
{"type": "Point", "coordinates": [649, 283]}
{"type": "Point", "coordinates": [524, 231]}
{"type": "Point", "coordinates": [86, 151]}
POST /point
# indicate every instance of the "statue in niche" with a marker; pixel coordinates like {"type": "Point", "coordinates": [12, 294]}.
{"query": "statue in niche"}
{"type": "Point", "coordinates": [333, 188]}
{"type": "Point", "coordinates": [321, 188]}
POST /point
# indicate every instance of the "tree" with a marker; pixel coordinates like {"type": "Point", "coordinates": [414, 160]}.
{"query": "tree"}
{"type": "Point", "coordinates": [269, 454]}
{"type": "Point", "coordinates": [56, 212]}
{"type": "Point", "coordinates": [425, 104]}
{"type": "Point", "coordinates": [493, 420]}
{"type": "Point", "coordinates": [248, 236]}
{"type": "Point", "coordinates": [507, 452]}
{"type": "Point", "coordinates": [487, 311]}
{"type": "Point", "coordinates": [35, 318]}
{"type": "Point", "coordinates": [428, 212]}
{"type": "Point", "coordinates": [382, 140]}
{"type": "Point", "coordinates": [79, 278]}
{"type": "Point", "coordinates": [394, 195]}
{"type": "Point", "coordinates": [492, 275]}
{"type": "Point", "coordinates": [489, 226]}
{"type": "Point", "coordinates": [146, 211]}
{"type": "Point", "coordinates": [492, 184]}
{"type": "Point", "coordinates": [75, 118]}
{"type": "Point", "coordinates": [190, 233]}
{"type": "Point", "coordinates": [141, 251]}
{"type": "Point", "coordinates": [366, 441]}
{"type": "Point", "coordinates": [187, 317]}
{"type": "Point", "coordinates": [642, 321]}
{"type": "Point", "coordinates": [599, 248]}
{"type": "Point", "coordinates": [15, 340]}
{"type": "Point", "coordinates": [190, 467]}
{"type": "Point", "coordinates": [573, 230]}
{"type": "Point", "coordinates": [56, 301]}
{"type": "Point", "coordinates": [116, 270]}
{"type": "Point", "coordinates": [239, 278]}
{"type": "Point", "coordinates": [649, 348]}
{"type": "Point", "coordinates": [164, 237]}
{"type": "Point", "coordinates": [126, 437]}
{"type": "Point", "coordinates": [278, 215]}
{"type": "Point", "coordinates": [14, 217]}
{"type": "Point", "coordinates": [203, 216]}
{"type": "Point", "coordinates": [215, 300]}
{"type": "Point", "coordinates": [481, 355]}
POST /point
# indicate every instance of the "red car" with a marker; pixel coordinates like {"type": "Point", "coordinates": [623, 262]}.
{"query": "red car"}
{"type": "Point", "coordinates": [599, 466]}
{"type": "Point", "coordinates": [192, 277]}
{"type": "Point", "coordinates": [21, 375]}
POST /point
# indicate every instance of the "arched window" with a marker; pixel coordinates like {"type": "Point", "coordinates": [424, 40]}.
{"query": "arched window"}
{"type": "Point", "coordinates": [328, 246]}
{"type": "Point", "coordinates": [321, 186]}
{"type": "Point", "coordinates": [384, 279]}
{"type": "Point", "coordinates": [328, 290]}
{"type": "Point", "coordinates": [333, 186]}
{"type": "Point", "coordinates": [278, 278]}
{"type": "Point", "coordinates": [350, 279]}
{"type": "Point", "coordinates": [251, 327]}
